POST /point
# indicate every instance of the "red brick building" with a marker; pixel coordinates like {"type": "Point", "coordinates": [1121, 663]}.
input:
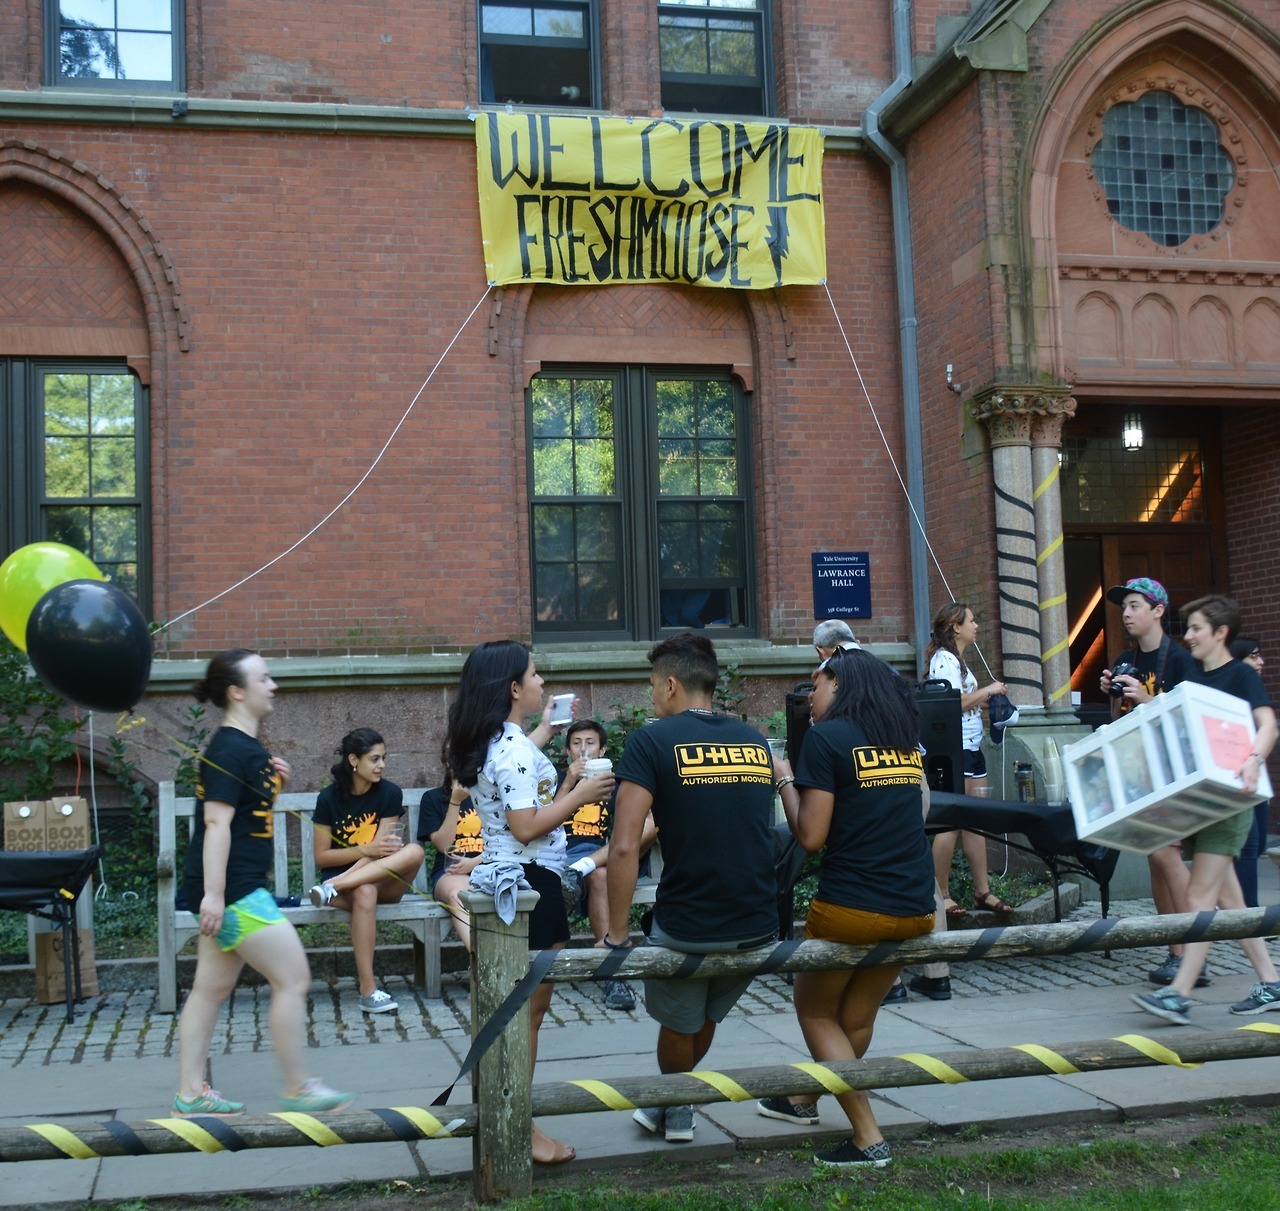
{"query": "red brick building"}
{"type": "Point", "coordinates": [236, 241]}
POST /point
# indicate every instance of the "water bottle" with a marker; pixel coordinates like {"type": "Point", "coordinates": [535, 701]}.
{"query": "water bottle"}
{"type": "Point", "coordinates": [1024, 778]}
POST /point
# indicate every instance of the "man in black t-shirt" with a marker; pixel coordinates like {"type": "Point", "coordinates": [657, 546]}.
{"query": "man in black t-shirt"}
{"type": "Point", "coordinates": [1162, 663]}
{"type": "Point", "coordinates": [708, 780]}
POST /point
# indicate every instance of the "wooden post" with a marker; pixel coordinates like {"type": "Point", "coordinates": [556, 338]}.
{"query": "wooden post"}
{"type": "Point", "coordinates": [501, 1153]}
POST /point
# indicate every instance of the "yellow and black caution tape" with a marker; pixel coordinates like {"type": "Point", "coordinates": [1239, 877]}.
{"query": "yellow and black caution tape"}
{"type": "Point", "coordinates": [46, 1141]}
{"type": "Point", "coordinates": [209, 1134]}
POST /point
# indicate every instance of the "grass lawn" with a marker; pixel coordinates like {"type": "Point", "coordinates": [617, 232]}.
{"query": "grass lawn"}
{"type": "Point", "coordinates": [1225, 1160]}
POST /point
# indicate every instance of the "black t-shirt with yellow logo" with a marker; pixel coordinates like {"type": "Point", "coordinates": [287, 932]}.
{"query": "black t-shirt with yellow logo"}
{"type": "Point", "coordinates": [1158, 673]}
{"type": "Point", "coordinates": [235, 769]}
{"type": "Point", "coordinates": [711, 778]}
{"type": "Point", "coordinates": [353, 819]}
{"type": "Point", "coordinates": [467, 841]}
{"type": "Point", "coordinates": [876, 857]}
{"type": "Point", "coordinates": [590, 823]}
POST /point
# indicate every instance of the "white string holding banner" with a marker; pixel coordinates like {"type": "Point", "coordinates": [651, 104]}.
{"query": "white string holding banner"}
{"type": "Point", "coordinates": [893, 462]}
{"type": "Point", "coordinates": [357, 486]}
{"type": "Point", "coordinates": [919, 521]}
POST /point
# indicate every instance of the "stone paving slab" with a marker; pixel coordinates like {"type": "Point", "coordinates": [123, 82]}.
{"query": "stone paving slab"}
{"type": "Point", "coordinates": [1020, 1101]}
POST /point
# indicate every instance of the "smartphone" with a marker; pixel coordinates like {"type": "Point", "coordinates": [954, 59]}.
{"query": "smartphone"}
{"type": "Point", "coordinates": [562, 709]}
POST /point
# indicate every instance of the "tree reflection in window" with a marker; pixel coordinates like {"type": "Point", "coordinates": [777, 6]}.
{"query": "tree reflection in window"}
{"type": "Point", "coordinates": [88, 53]}
{"type": "Point", "coordinates": [91, 498]}
{"type": "Point", "coordinates": [109, 40]}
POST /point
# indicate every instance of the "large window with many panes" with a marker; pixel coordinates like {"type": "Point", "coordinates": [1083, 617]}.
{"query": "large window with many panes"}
{"type": "Point", "coordinates": [74, 460]}
{"type": "Point", "coordinates": [539, 52]}
{"type": "Point", "coordinates": [115, 44]}
{"type": "Point", "coordinates": [715, 56]}
{"type": "Point", "coordinates": [639, 512]}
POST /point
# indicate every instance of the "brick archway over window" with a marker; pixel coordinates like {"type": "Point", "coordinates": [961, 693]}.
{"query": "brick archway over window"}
{"type": "Point", "coordinates": [75, 212]}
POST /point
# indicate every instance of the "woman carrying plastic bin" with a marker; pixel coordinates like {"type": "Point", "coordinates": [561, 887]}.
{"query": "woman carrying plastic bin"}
{"type": "Point", "coordinates": [1212, 623]}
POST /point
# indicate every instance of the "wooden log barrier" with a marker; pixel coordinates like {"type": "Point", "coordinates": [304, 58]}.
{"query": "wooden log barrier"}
{"type": "Point", "coordinates": [956, 946]}
{"type": "Point", "coordinates": [49, 1141]}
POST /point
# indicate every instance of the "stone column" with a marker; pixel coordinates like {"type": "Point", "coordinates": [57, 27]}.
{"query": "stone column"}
{"type": "Point", "coordinates": [1025, 427]}
{"type": "Point", "coordinates": [1055, 655]}
{"type": "Point", "coordinates": [1007, 413]}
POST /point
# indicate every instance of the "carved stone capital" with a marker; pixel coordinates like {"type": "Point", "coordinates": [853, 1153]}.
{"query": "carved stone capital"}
{"type": "Point", "coordinates": [1018, 414]}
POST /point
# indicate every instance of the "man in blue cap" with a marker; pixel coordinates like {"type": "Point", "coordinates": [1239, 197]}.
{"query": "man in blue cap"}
{"type": "Point", "coordinates": [1161, 663]}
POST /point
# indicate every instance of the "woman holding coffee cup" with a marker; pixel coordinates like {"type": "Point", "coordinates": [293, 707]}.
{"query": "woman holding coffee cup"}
{"type": "Point", "coordinates": [512, 784]}
{"type": "Point", "coordinates": [358, 845]}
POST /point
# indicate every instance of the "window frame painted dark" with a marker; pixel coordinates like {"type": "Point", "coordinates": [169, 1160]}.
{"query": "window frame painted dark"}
{"type": "Point", "coordinates": [762, 16]}
{"type": "Point", "coordinates": [23, 504]}
{"type": "Point", "coordinates": [590, 44]}
{"type": "Point", "coordinates": [53, 57]}
{"type": "Point", "coordinates": [637, 491]}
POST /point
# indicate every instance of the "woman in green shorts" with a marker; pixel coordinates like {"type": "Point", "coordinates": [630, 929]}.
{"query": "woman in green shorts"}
{"type": "Point", "coordinates": [1212, 622]}
{"type": "Point", "coordinates": [227, 886]}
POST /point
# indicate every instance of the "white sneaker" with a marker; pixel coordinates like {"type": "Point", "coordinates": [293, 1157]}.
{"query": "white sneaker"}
{"type": "Point", "coordinates": [322, 894]}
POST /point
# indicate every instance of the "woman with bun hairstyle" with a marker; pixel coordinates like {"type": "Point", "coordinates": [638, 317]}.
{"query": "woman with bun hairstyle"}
{"type": "Point", "coordinates": [513, 786]}
{"type": "Point", "coordinates": [954, 630]}
{"type": "Point", "coordinates": [228, 887]}
{"type": "Point", "coordinates": [358, 842]}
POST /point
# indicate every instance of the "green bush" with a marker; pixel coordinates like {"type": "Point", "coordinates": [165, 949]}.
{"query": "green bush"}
{"type": "Point", "coordinates": [37, 730]}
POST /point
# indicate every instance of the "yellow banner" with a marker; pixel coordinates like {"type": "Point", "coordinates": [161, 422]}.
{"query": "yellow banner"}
{"type": "Point", "coordinates": [595, 201]}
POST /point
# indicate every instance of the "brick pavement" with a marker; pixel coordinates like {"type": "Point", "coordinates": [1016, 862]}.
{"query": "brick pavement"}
{"type": "Point", "coordinates": [125, 1025]}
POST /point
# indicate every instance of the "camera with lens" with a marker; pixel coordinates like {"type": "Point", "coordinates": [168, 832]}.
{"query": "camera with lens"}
{"type": "Point", "coordinates": [1123, 669]}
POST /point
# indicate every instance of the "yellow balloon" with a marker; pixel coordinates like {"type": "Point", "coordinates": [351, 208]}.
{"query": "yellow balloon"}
{"type": "Point", "coordinates": [29, 573]}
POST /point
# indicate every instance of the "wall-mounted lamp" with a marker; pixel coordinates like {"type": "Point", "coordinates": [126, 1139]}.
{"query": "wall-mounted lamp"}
{"type": "Point", "coordinates": [1132, 431]}
{"type": "Point", "coordinates": [952, 383]}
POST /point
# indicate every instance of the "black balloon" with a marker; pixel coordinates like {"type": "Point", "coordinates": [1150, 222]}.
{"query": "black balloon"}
{"type": "Point", "coordinates": [89, 642]}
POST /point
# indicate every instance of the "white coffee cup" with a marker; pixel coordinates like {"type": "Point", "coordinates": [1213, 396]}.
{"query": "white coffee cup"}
{"type": "Point", "coordinates": [593, 767]}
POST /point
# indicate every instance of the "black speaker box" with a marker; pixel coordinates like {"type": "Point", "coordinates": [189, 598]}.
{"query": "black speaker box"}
{"type": "Point", "coordinates": [939, 704]}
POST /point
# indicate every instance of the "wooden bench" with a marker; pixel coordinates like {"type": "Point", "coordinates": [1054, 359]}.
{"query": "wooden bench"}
{"type": "Point", "coordinates": [428, 921]}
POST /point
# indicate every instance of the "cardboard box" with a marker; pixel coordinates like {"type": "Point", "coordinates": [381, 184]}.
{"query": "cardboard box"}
{"type": "Point", "coordinates": [67, 823]}
{"type": "Point", "coordinates": [1163, 771]}
{"type": "Point", "coordinates": [24, 826]}
{"type": "Point", "coordinates": [51, 986]}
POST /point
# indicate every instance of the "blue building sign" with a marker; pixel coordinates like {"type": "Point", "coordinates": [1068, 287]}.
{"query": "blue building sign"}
{"type": "Point", "coordinates": [841, 584]}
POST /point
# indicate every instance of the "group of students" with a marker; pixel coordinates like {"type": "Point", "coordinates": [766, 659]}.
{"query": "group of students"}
{"type": "Point", "coordinates": [855, 794]}
{"type": "Point", "coordinates": [706, 783]}
{"type": "Point", "coordinates": [360, 848]}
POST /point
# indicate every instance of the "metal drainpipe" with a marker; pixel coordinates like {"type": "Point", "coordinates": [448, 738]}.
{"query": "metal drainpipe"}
{"type": "Point", "coordinates": [904, 260]}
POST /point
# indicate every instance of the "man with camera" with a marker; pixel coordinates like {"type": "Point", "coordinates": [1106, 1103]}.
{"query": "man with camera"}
{"type": "Point", "coordinates": [1155, 665]}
